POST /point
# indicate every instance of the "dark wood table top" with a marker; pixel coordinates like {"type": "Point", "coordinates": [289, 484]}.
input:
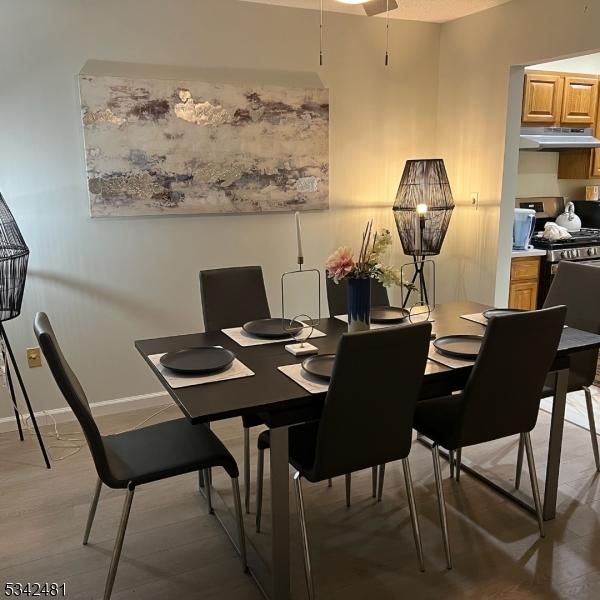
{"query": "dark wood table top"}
{"type": "Point", "coordinates": [281, 401]}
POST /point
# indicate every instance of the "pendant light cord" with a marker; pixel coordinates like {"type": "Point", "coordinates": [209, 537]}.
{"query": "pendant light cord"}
{"type": "Point", "coordinates": [321, 36]}
{"type": "Point", "coordinates": [387, 32]}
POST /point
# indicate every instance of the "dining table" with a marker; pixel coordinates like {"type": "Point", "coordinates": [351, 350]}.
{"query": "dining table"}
{"type": "Point", "coordinates": [281, 403]}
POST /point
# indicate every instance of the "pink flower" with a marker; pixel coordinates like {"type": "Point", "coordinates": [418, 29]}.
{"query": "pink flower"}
{"type": "Point", "coordinates": [340, 263]}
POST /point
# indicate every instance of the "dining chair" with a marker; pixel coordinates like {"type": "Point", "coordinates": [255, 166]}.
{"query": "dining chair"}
{"type": "Point", "coordinates": [133, 458]}
{"type": "Point", "coordinates": [367, 417]}
{"type": "Point", "coordinates": [501, 397]}
{"type": "Point", "coordinates": [577, 286]}
{"type": "Point", "coordinates": [337, 299]}
{"type": "Point", "coordinates": [231, 297]}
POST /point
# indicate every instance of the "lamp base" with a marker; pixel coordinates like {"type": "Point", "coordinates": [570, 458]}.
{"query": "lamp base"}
{"type": "Point", "coordinates": [418, 283]}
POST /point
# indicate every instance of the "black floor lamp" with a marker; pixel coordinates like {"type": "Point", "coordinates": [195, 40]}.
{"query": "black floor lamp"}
{"type": "Point", "coordinates": [14, 255]}
{"type": "Point", "coordinates": [422, 211]}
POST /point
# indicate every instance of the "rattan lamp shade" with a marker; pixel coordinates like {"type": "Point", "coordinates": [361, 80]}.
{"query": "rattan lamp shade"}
{"type": "Point", "coordinates": [14, 255]}
{"type": "Point", "coordinates": [424, 182]}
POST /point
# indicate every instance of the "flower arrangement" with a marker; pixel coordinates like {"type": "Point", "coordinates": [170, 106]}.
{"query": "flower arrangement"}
{"type": "Point", "coordinates": [341, 263]}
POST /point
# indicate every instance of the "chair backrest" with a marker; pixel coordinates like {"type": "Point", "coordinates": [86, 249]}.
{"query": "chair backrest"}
{"type": "Point", "coordinates": [369, 409]}
{"type": "Point", "coordinates": [72, 391]}
{"type": "Point", "coordinates": [337, 296]}
{"type": "Point", "coordinates": [578, 287]}
{"type": "Point", "coordinates": [232, 296]}
{"type": "Point", "coordinates": [502, 396]}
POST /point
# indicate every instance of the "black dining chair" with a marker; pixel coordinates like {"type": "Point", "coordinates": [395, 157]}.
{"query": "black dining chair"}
{"type": "Point", "coordinates": [577, 286]}
{"type": "Point", "coordinates": [133, 458]}
{"type": "Point", "coordinates": [337, 300]}
{"type": "Point", "coordinates": [367, 416]}
{"type": "Point", "coordinates": [501, 397]}
{"type": "Point", "coordinates": [231, 297]}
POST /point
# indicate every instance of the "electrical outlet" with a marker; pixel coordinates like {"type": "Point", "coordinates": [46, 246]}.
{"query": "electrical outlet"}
{"type": "Point", "coordinates": [475, 200]}
{"type": "Point", "coordinates": [34, 357]}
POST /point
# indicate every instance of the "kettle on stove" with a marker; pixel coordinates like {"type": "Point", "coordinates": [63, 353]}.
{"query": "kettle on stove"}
{"type": "Point", "coordinates": [569, 220]}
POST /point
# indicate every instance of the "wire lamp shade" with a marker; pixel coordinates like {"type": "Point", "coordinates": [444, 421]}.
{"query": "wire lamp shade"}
{"type": "Point", "coordinates": [423, 207]}
{"type": "Point", "coordinates": [14, 255]}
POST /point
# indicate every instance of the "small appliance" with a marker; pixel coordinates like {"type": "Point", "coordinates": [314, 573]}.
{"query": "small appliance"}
{"type": "Point", "coordinates": [523, 227]}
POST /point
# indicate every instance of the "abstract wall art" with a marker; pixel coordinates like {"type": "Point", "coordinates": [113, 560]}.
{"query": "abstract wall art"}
{"type": "Point", "coordinates": [160, 147]}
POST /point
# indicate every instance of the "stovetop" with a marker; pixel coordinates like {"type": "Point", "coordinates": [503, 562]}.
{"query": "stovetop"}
{"type": "Point", "coordinates": [578, 239]}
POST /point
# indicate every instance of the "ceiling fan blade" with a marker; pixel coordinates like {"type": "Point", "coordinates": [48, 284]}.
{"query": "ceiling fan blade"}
{"type": "Point", "coordinates": [376, 7]}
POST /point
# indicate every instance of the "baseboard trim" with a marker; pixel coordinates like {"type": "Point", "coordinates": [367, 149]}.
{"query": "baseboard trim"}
{"type": "Point", "coordinates": [105, 407]}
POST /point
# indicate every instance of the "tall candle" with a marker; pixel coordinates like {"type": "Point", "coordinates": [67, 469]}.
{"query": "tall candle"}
{"type": "Point", "coordinates": [299, 237]}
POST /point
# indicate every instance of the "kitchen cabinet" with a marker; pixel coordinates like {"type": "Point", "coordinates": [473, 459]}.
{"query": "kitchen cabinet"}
{"type": "Point", "coordinates": [542, 99]}
{"type": "Point", "coordinates": [580, 101]}
{"type": "Point", "coordinates": [524, 282]}
{"type": "Point", "coordinates": [581, 164]}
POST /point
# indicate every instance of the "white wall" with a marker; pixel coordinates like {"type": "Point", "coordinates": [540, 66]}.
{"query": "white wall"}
{"type": "Point", "coordinates": [108, 282]}
{"type": "Point", "coordinates": [476, 56]}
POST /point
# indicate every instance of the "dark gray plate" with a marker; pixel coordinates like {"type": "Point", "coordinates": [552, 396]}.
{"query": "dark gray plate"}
{"type": "Point", "coordinates": [388, 314]}
{"type": "Point", "coordinates": [197, 361]}
{"type": "Point", "coordinates": [273, 329]}
{"type": "Point", "coordinates": [459, 346]}
{"type": "Point", "coordinates": [497, 312]}
{"type": "Point", "coordinates": [320, 366]}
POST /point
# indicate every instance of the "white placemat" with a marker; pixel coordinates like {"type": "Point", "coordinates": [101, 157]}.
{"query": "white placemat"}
{"type": "Point", "coordinates": [453, 363]}
{"type": "Point", "coordinates": [479, 318]}
{"type": "Point", "coordinates": [175, 380]}
{"type": "Point", "coordinates": [309, 382]}
{"type": "Point", "coordinates": [476, 318]}
{"type": "Point", "coordinates": [239, 336]}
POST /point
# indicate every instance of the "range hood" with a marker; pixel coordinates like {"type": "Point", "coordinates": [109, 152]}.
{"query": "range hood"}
{"type": "Point", "coordinates": [552, 139]}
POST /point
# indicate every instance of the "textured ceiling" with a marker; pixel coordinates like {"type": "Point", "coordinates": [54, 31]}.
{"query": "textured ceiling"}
{"type": "Point", "coordinates": [435, 11]}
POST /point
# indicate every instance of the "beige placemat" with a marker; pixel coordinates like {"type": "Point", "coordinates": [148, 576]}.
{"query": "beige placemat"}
{"type": "Point", "coordinates": [453, 363]}
{"type": "Point", "coordinates": [476, 318]}
{"type": "Point", "coordinates": [239, 336]}
{"type": "Point", "coordinates": [236, 370]}
{"type": "Point", "coordinates": [309, 382]}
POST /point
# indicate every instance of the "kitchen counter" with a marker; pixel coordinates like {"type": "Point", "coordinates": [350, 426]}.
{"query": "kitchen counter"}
{"type": "Point", "coordinates": [527, 253]}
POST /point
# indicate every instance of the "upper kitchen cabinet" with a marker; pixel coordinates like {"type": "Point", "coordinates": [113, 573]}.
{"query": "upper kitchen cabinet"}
{"type": "Point", "coordinates": [580, 101]}
{"type": "Point", "coordinates": [542, 99]}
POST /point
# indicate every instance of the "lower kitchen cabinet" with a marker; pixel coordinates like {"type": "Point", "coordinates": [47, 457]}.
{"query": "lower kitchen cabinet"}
{"type": "Point", "coordinates": [524, 282]}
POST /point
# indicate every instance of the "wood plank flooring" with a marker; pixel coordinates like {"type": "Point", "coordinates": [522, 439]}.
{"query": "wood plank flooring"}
{"type": "Point", "coordinates": [174, 549]}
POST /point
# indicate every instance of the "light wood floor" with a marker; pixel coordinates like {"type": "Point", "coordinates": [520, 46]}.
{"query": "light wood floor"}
{"type": "Point", "coordinates": [173, 549]}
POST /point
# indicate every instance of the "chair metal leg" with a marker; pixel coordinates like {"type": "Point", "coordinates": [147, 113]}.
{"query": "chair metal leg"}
{"type": "Point", "coordinates": [458, 463]}
{"type": "Point", "coordinates": [304, 535]}
{"type": "Point", "coordinates": [451, 461]}
{"type": "Point", "coordinates": [534, 483]}
{"type": "Point", "coordinates": [437, 469]}
{"type": "Point", "coordinates": [520, 454]}
{"type": "Point", "coordinates": [374, 481]}
{"type": "Point", "coordinates": [247, 469]}
{"type": "Point", "coordinates": [329, 482]}
{"type": "Point", "coordinates": [260, 470]}
{"type": "Point", "coordinates": [414, 517]}
{"type": "Point", "coordinates": [381, 478]}
{"type": "Point", "coordinates": [114, 563]}
{"type": "Point", "coordinates": [208, 485]}
{"type": "Point", "coordinates": [237, 501]}
{"type": "Point", "coordinates": [92, 513]}
{"type": "Point", "coordinates": [592, 424]}
{"type": "Point", "coordinates": [348, 489]}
